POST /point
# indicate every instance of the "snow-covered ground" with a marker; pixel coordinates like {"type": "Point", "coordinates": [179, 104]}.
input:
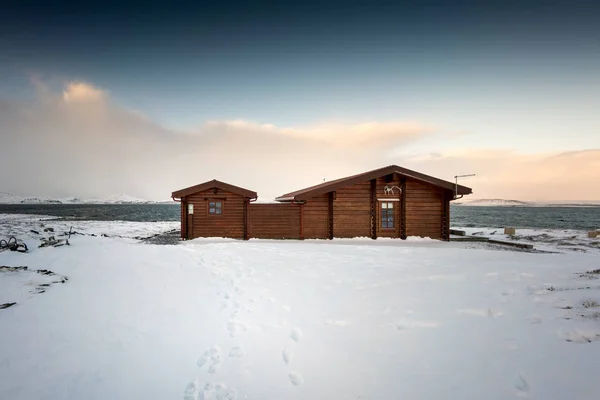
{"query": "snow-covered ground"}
{"type": "Point", "coordinates": [549, 240]}
{"type": "Point", "coordinates": [342, 319]}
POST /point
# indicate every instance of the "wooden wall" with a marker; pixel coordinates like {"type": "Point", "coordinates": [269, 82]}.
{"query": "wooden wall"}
{"type": "Point", "coordinates": [274, 221]}
{"type": "Point", "coordinates": [424, 209]}
{"type": "Point", "coordinates": [352, 211]}
{"type": "Point", "coordinates": [229, 224]}
{"type": "Point", "coordinates": [427, 213]}
{"type": "Point", "coordinates": [315, 215]}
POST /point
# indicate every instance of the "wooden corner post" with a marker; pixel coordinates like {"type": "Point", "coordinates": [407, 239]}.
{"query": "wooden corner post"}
{"type": "Point", "coordinates": [446, 217]}
{"type": "Point", "coordinates": [403, 209]}
{"type": "Point", "coordinates": [245, 219]}
{"type": "Point", "coordinates": [330, 217]}
{"type": "Point", "coordinates": [373, 208]}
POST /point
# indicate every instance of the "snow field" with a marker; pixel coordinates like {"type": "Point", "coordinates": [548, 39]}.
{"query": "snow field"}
{"type": "Point", "coordinates": [354, 319]}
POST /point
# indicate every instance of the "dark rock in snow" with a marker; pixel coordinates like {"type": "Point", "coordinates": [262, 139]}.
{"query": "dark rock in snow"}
{"type": "Point", "coordinates": [6, 305]}
{"type": "Point", "coordinates": [44, 272]}
{"type": "Point", "coordinates": [34, 231]}
{"type": "Point", "coordinates": [12, 269]}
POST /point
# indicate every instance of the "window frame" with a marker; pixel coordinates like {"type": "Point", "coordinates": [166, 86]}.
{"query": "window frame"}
{"type": "Point", "coordinates": [220, 207]}
{"type": "Point", "coordinates": [389, 211]}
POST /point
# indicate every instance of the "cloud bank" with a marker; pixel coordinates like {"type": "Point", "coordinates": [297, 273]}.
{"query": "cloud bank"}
{"type": "Point", "coordinates": [506, 174]}
{"type": "Point", "coordinates": [79, 142]}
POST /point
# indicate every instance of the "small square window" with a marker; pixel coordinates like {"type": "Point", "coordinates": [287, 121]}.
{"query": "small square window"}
{"type": "Point", "coordinates": [215, 207]}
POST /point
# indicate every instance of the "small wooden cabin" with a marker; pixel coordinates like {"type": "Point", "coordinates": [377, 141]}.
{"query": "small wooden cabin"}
{"type": "Point", "coordinates": [387, 202]}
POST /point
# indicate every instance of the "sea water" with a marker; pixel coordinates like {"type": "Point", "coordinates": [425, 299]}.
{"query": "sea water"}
{"type": "Point", "coordinates": [559, 218]}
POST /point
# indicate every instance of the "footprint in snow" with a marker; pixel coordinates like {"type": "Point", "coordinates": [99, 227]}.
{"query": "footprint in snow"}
{"type": "Point", "coordinates": [296, 334]}
{"type": "Point", "coordinates": [210, 391]}
{"type": "Point", "coordinates": [236, 352]}
{"type": "Point", "coordinates": [296, 378]}
{"type": "Point", "coordinates": [212, 355]}
{"type": "Point", "coordinates": [521, 385]}
{"type": "Point", "coordinates": [234, 327]}
{"type": "Point", "coordinates": [191, 391]}
{"type": "Point", "coordinates": [287, 355]}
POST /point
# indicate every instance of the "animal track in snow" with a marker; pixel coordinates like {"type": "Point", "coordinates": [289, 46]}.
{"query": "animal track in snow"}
{"type": "Point", "coordinates": [287, 355]}
{"type": "Point", "coordinates": [296, 378]}
{"type": "Point", "coordinates": [296, 334]}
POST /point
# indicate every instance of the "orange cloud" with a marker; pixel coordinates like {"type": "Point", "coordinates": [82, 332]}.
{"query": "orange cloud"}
{"type": "Point", "coordinates": [76, 92]}
{"type": "Point", "coordinates": [510, 175]}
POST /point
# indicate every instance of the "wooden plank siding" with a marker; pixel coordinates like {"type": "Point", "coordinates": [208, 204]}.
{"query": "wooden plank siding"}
{"type": "Point", "coordinates": [424, 209]}
{"type": "Point", "coordinates": [274, 221]}
{"type": "Point", "coordinates": [315, 218]}
{"type": "Point", "coordinates": [352, 211]}
{"type": "Point", "coordinates": [228, 224]}
{"type": "Point", "coordinates": [343, 208]}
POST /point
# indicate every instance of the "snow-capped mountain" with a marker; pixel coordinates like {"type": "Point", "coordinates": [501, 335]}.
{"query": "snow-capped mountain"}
{"type": "Point", "coordinates": [519, 203]}
{"type": "Point", "coordinates": [495, 203]}
{"type": "Point", "coordinates": [8, 198]}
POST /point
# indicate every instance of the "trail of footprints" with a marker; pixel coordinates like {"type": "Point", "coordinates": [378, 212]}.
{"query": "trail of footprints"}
{"type": "Point", "coordinates": [287, 354]}
{"type": "Point", "coordinates": [211, 361]}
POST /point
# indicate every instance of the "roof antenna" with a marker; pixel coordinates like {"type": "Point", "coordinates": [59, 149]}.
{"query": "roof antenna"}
{"type": "Point", "coordinates": [456, 185]}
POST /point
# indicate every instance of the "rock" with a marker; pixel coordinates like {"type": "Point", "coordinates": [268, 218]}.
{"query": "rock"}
{"type": "Point", "coordinates": [12, 269]}
{"type": "Point", "coordinates": [33, 231]}
{"type": "Point", "coordinates": [44, 272]}
{"type": "Point", "coordinates": [6, 305]}
{"type": "Point", "coordinates": [49, 229]}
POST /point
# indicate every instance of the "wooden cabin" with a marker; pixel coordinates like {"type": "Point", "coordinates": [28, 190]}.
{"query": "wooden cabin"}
{"type": "Point", "coordinates": [387, 202]}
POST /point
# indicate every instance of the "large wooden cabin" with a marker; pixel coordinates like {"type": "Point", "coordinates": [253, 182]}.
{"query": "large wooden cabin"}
{"type": "Point", "coordinates": [387, 202]}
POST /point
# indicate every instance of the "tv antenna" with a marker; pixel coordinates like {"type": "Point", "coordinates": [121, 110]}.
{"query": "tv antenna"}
{"type": "Point", "coordinates": [456, 184]}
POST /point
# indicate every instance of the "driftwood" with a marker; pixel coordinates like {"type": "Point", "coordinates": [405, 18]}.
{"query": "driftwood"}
{"type": "Point", "coordinates": [51, 241]}
{"type": "Point", "coordinates": [13, 244]}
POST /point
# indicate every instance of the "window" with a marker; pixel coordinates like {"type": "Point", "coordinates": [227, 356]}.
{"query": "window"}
{"type": "Point", "coordinates": [215, 207]}
{"type": "Point", "coordinates": [387, 215]}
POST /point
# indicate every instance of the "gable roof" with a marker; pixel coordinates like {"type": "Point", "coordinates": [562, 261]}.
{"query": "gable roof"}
{"type": "Point", "coordinates": [214, 184]}
{"type": "Point", "coordinates": [317, 190]}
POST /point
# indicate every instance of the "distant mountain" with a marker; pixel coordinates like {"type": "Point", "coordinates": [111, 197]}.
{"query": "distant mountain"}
{"type": "Point", "coordinates": [8, 198]}
{"type": "Point", "coordinates": [495, 203]}
{"type": "Point", "coordinates": [519, 203]}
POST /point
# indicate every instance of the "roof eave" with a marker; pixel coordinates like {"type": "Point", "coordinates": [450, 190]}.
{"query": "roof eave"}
{"type": "Point", "coordinates": [285, 199]}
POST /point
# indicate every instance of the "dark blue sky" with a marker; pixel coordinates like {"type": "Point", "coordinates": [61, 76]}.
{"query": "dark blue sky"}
{"type": "Point", "coordinates": [292, 63]}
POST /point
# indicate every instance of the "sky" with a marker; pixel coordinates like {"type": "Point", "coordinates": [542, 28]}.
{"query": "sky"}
{"type": "Point", "coordinates": [145, 98]}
